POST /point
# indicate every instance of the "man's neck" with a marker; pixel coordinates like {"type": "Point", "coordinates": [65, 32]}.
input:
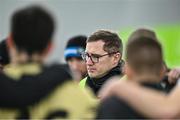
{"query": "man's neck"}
{"type": "Point", "coordinates": [24, 58]}
{"type": "Point", "coordinates": [145, 78]}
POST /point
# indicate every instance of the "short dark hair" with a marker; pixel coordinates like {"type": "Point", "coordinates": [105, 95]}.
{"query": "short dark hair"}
{"type": "Point", "coordinates": [142, 32]}
{"type": "Point", "coordinates": [145, 55]}
{"type": "Point", "coordinates": [32, 29]}
{"type": "Point", "coordinates": [111, 39]}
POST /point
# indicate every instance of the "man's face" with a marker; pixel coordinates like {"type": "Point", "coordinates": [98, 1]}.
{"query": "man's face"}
{"type": "Point", "coordinates": [78, 66]}
{"type": "Point", "coordinates": [104, 64]}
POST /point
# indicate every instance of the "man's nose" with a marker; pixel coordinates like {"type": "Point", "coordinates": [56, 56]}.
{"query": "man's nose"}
{"type": "Point", "coordinates": [89, 61]}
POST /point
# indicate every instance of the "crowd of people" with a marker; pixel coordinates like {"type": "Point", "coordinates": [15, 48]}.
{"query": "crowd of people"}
{"type": "Point", "coordinates": [96, 83]}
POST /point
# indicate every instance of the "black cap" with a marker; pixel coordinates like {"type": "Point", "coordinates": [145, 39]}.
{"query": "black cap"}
{"type": "Point", "coordinates": [75, 46]}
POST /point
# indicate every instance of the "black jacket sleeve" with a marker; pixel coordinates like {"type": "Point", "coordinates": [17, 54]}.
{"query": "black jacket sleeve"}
{"type": "Point", "coordinates": [115, 108]}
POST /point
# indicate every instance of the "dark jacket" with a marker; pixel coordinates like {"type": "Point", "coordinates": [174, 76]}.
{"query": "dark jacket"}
{"type": "Point", "coordinates": [115, 108]}
{"type": "Point", "coordinates": [96, 83]}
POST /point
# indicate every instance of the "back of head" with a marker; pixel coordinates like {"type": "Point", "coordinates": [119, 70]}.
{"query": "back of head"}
{"type": "Point", "coordinates": [111, 39]}
{"type": "Point", "coordinates": [144, 55]}
{"type": "Point", "coordinates": [32, 29]}
{"type": "Point", "coordinates": [75, 46]}
{"type": "Point", "coordinates": [142, 32]}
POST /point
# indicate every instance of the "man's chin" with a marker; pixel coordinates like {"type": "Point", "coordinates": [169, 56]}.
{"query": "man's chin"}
{"type": "Point", "coordinates": [95, 75]}
{"type": "Point", "coordinates": [92, 75]}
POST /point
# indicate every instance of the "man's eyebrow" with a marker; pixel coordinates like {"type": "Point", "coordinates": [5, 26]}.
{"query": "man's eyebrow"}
{"type": "Point", "coordinates": [94, 54]}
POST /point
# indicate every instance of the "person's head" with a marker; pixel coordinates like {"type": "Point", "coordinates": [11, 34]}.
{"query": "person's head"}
{"type": "Point", "coordinates": [142, 32]}
{"type": "Point", "coordinates": [31, 32]}
{"type": "Point", "coordinates": [103, 52]}
{"type": "Point", "coordinates": [144, 58]}
{"type": "Point", "coordinates": [74, 47]}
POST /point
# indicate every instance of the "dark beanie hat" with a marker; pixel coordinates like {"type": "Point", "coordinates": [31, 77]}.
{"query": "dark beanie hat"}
{"type": "Point", "coordinates": [75, 46]}
{"type": "Point", "coordinates": [4, 55]}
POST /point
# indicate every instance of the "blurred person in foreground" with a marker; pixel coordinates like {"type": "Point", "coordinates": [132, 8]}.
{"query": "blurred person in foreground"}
{"type": "Point", "coordinates": [29, 89]}
{"type": "Point", "coordinates": [170, 77]}
{"type": "Point", "coordinates": [171, 74]}
{"type": "Point", "coordinates": [148, 102]}
{"type": "Point", "coordinates": [144, 65]}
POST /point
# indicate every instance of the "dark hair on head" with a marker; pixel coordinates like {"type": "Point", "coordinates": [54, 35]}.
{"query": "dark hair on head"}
{"type": "Point", "coordinates": [145, 55]}
{"type": "Point", "coordinates": [77, 41]}
{"type": "Point", "coordinates": [142, 32]}
{"type": "Point", "coordinates": [111, 39]}
{"type": "Point", "coordinates": [32, 29]}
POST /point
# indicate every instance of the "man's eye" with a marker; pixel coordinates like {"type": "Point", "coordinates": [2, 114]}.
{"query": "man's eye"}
{"type": "Point", "coordinates": [95, 56]}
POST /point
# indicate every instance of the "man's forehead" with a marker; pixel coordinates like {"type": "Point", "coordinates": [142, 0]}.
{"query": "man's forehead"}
{"type": "Point", "coordinates": [100, 41]}
{"type": "Point", "coordinates": [95, 51]}
{"type": "Point", "coordinates": [95, 47]}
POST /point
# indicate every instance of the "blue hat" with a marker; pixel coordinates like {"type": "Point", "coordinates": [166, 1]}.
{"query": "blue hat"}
{"type": "Point", "coordinates": [73, 52]}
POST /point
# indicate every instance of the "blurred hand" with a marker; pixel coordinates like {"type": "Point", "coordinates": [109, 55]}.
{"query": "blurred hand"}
{"type": "Point", "coordinates": [173, 75]}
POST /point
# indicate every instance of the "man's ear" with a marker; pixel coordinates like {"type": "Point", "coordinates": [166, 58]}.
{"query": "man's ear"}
{"type": "Point", "coordinates": [117, 57]}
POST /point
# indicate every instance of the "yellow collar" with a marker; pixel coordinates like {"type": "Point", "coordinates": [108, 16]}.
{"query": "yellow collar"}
{"type": "Point", "coordinates": [17, 71]}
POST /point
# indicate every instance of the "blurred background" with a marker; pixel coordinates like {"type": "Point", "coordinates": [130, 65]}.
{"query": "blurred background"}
{"type": "Point", "coordinates": [75, 17]}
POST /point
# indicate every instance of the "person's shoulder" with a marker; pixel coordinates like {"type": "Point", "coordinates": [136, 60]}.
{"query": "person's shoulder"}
{"type": "Point", "coordinates": [115, 108]}
{"type": "Point", "coordinates": [82, 83]}
{"type": "Point", "coordinates": [111, 102]}
{"type": "Point", "coordinates": [57, 70]}
{"type": "Point", "coordinates": [75, 102]}
{"type": "Point", "coordinates": [31, 83]}
{"type": "Point", "coordinates": [55, 67]}
{"type": "Point", "coordinates": [73, 88]}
